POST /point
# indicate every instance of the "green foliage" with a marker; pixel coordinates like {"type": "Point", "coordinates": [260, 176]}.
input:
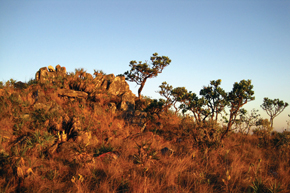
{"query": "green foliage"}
{"type": "Point", "coordinates": [140, 72]}
{"type": "Point", "coordinates": [39, 140]}
{"type": "Point", "coordinates": [103, 149]}
{"type": "Point", "coordinates": [172, 95]}
{"type": "Point", "coordinates": [99, 72]}
{"type": "Point", "coordinates": [259, 186]}
{"type": "Point", "coordinates": [145, 153]}
{"type": "Point", "coordinates": [273, 108]}
{"type": "Point", "coordinates": [215, 99]}
{"type": "Point", "coordinates": [191, 102]}
{"type": "Point", "coordinates": [207, 133]}
{"type": "Point", "coordinates": [275, 188]}
{"type": "Point", "coordinates": [263, 126]}
{"type": "Point", "coordinates": [155, 107]}
{"type": "Point", "coordinates": [281, 139]}
{"type": "Point", "coordinates": [246, 120]}
{"type": "Point", "coordinates": [31, 82]}
{"type": "Point", "coordinates": [241, 93]}
{"type": "Point", "coordinates": [10, 83]}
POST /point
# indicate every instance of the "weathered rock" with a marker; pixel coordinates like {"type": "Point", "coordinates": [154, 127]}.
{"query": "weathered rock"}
{"type": "Point", "coordinates": [41, 74]}
{"type": "Point", "coordinates": [102, 88]}
{"type": "Point", "coordinates": [127, 101]}
{"type": "Point", "coordinates": [38, 106]}
{"type": "Point", "coordinates": [118, 86]}
{"type": "Point", "coordinates": [72, 93]}
{"type": "Point", "coordinates": [60, 70]}
{"type": "Point", "coordinates": [44, 74]}
{"type": "Point", "coordinates": [139, 118]}
{"type": "Point", "coordinates": [51, 69]}
{"type": "Point", "coordinates": [84, 137]}
{"type": "Point", "coordinates": [99, 81]}
{"type": "Point", "coordinates": [112, 107]}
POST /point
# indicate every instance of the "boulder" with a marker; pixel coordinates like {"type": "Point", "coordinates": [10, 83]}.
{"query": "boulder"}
{"type": "Point", "coordinates": [39, 106]}
{"type": "Point", "coordinates": [60, 70]}
{"type": "Point", "coordinates": [127, 101]}
{"type": "Point", "coordinates": [44, 74]}
{"type": "Point", "coordinates": [139, 118]}
{"type": "Point", "coordinates": [72, 93]}
{"type": "Point", "coordinates": [112, 107]}
{"type": "Point", "coordinates": [118, 86]}
{"type": "Point", "coordinates": [51, 69]}
{"type": "Point", "coordinates": [102, 88]}
{"type": "Point", "coordinates": [41, 74]}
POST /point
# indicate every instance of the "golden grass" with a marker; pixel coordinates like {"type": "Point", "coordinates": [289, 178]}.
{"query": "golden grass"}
{"type": "Point", "coordinates": [198, 164]}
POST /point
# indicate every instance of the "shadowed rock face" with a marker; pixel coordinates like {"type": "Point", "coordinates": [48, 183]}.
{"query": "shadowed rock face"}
{"type": "Point", "coordinates": [106, 88]}
{"type": "Point", "coordinates": [72, 93]}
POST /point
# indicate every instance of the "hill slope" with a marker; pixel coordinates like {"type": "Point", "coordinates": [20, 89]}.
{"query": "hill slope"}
{"type": "Point", "coordinates": [72, 132]}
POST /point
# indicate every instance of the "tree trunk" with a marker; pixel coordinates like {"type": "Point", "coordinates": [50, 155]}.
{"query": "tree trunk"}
{"type": "Point", "coordinates": [271, 121]}
{"type": "Point", "coordinates": [230, 123]}
{"type": "Point", "coordinates": [141, 88]}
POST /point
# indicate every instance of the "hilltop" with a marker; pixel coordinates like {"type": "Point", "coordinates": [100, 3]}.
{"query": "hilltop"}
{"type": "Point", "coordinates": [77, 132]}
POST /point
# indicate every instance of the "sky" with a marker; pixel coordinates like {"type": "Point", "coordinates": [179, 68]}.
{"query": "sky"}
{"type": "Point", "coordinates": [206, 40]}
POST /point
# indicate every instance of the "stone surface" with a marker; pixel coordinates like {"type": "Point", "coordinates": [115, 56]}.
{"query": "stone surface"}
{"type": "Point", "coordinates": [51, 69]}
{"type": "Point", "coordinates": [41, 74]}
{"type": "Point", "coordinates": [60, 70]}
{"type": "Point", "coordinates": [44, 74]}
{"type": "Point", "coordinates": [103, 88]}
{"type": "Point", "coordinates": [72, 93]}
{"type": "Point", "coordinates": [118, 86]}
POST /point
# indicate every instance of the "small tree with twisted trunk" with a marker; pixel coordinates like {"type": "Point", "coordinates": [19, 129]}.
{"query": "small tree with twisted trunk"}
{"type": "Point", "coordinates": [273, 108]}
{"type": "Point", "coordinates": [241, 94]}
{"type": "Point", "coordinates": [140, 72]}
{"type": "Point", "coordinates": [172, 95]}
{"type": "Point", "coordinates": [215, 98]}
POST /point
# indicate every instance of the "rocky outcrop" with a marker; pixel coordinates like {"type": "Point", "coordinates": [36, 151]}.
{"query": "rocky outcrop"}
{"type": "Point", "coordinates": [107, 89]}
{"type": "Point", "coordinates": [44, 74]}
{"type": "Point", "coordinates": [72, 93]}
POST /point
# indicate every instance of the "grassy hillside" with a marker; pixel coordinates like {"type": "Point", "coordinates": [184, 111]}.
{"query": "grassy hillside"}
{"type": "Point", "coordinates": [54, 143]}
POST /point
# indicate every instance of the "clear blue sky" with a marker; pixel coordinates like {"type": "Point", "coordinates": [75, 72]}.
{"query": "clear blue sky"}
{"type": "Point", "coordinates": [206, 40]}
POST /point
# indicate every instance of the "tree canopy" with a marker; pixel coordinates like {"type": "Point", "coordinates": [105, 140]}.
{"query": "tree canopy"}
{"type": "Point", "coordinates": [241, 93]}
{"type": "Point", "coordinates": [140, 72]}
{"type": "Point", "coordinates": [273, 108]}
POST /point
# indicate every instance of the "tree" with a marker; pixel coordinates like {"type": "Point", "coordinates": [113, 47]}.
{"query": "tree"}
{"type": "Point", "coordinates": [140, 72]}
{"type": "Point", "coordinates": [155, 107]}
{"type": "Point", "coordinates": [215, 98]}
{"type": "Point", "coordinates": [191, 102]}
{"type": "Point", "coordinates": [273, 108]}
{"type": "Point", "coordinates": [172, 95]}
{"type": "Point", "coordinates": [165, 91]}
{"type": "Point", "coordinates": [263, 126]}
{"type": "Point", "coordinates": [246, 120]}
{"type": "Point", "coordinates": [241, 93]}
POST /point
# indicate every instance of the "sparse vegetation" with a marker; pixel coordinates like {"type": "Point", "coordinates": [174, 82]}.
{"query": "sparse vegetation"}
{"type": "Point", "coordinates": [273, 108]}
{"type": "Point", "coordinates": [140, 72]}
{"type": "Point", "coordinates": [55, 142]}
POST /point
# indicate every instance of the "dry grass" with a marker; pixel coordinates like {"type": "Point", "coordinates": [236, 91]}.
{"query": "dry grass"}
{"type": "Point", "coordinates": [33, 160]}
